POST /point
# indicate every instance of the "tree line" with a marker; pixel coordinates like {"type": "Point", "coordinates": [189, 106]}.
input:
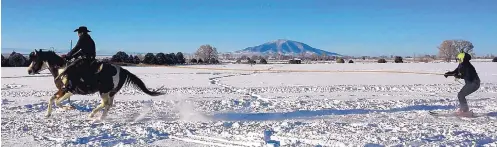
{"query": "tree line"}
{"type": "Point", "coordinates": [149, 58]}
{"type": "Point", "coordinates": [15, 60]}
{"type": "Point", "coordinates": [207, 54]}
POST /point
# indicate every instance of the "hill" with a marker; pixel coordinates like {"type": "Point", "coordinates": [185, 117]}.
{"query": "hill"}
{"type": "Point", "coordinates": [285, 47]}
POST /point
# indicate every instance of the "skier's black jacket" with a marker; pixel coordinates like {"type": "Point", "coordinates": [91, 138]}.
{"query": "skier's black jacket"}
{"type": "Point", "coordinates": [465, 70]}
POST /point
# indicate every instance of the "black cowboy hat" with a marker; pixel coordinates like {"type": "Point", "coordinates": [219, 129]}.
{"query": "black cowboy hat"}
{"type": "Point", "coordinates": [82, 29]}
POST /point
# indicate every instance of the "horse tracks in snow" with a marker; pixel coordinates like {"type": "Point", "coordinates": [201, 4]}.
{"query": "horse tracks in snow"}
{"type": "Point", "coordinates": [225, 115]}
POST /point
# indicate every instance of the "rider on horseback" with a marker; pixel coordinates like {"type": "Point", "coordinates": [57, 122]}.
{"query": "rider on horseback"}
{"type": "Point", "coordinates": [82, 70]}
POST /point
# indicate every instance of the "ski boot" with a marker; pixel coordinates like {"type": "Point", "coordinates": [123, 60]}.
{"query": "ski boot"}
{"type": "Point", "coordinates": [464, 112]}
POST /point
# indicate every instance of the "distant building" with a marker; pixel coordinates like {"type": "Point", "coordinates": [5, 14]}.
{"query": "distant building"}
{"type": "Point", "coordinates": [295, 61]}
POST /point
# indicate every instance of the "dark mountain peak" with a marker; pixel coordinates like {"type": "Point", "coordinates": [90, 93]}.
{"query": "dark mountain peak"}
{"type": "Point", "coordinates": [285, 47]}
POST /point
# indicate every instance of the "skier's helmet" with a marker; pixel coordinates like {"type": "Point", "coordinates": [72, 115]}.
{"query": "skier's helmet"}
{"type": "Point", "coordinates": [460, 57]}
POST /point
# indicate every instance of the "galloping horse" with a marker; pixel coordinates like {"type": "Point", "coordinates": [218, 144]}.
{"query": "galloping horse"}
{"type": "Point", "coordinates": [110, 79]}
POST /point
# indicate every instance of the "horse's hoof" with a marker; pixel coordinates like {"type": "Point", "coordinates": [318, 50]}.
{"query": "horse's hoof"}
{"type": "Point", "coordinates": [103, 117]}
{"type": "Point", "coordinates": [71, 107]}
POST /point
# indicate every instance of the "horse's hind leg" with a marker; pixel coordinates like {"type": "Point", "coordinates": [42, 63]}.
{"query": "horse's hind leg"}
{"type": "Point", "coordinates": [107, 107]}
{"type": "Point", "coordinates": [111, 101]}
{"type": "Point", "coordinates": [70, 107]}
{"type": "Point", "coordinates": [105, 101]}
{"type": "Point", "coordinates": [64, 97]}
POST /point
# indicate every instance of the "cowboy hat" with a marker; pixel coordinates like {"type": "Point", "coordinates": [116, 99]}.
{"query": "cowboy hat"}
{"type": "Point", "coordinates": [82, 29]}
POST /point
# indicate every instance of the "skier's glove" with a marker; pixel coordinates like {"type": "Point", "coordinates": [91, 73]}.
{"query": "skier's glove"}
{"type": "Point", "coordinates": [458, 76]}
{"type": "Point", "coordinates": [447, 74]}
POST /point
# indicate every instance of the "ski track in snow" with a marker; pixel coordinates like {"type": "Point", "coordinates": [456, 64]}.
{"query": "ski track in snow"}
{"type": "Point", "coordinates": [226, 115]}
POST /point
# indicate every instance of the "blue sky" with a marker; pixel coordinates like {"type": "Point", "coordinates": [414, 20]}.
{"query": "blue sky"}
{"type": "Point", "coordinates": [351, 27]}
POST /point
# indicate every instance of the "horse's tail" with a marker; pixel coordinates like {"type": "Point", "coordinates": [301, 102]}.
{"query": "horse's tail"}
{"type": "Point", "coordinates": [133, 79]}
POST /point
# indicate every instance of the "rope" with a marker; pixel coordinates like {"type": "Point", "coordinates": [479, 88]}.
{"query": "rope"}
{"type": "Point", "coordinates": [313, 71]}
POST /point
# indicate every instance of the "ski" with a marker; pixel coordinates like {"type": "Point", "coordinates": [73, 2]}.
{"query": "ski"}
{"type": "Point", "coordinates": [453, 114]}
{"type": "Point", "coordinates": [446, 114]}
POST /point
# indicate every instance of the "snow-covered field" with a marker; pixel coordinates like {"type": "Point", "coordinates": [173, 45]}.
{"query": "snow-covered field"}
{"type": "Point", "coordinates": [234, 108]}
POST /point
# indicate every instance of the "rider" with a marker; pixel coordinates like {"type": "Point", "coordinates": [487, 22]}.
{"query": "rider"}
{"type": "Point", "coordinates": [465, 70]}
{"type": "Point", "coordinates": [85, 49]}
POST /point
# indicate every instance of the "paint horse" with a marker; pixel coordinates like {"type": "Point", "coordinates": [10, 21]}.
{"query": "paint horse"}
{"type": "Point", "coordinates": [110, 79]}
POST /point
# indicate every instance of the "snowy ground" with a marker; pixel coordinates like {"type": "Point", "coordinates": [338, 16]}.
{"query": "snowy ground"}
{"type": "Point", "coordinates": [233, 108]}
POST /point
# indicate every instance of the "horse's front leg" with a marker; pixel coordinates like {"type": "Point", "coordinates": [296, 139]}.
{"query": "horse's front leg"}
{"type": "Point", "coordinates": [50, 103]}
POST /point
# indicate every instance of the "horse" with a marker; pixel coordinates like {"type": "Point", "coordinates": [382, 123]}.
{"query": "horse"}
{"type": "Point", "coordinates": [110, 79]}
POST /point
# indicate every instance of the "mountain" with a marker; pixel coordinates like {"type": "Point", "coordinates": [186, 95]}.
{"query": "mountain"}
{"type": "Point", "coordinates": [285, 47]}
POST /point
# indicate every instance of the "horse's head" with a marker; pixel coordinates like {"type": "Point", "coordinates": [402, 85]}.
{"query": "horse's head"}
{"type": "Point", "coordinates": [41, 60]}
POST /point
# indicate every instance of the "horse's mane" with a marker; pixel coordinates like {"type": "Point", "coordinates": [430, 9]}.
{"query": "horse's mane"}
{"type": "Point", "coordinates": [52, 56]}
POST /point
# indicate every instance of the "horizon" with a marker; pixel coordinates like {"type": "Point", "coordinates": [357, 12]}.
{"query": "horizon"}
{"type": "Point", "coordinates": [385, 27]}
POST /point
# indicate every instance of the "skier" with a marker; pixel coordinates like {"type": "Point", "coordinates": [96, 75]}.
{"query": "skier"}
{"type": "Point", "coordinates": [465, 70]}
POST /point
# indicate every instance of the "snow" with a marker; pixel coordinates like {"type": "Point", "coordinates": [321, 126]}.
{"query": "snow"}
{"type": "Point", "coordinates": [237, 106]}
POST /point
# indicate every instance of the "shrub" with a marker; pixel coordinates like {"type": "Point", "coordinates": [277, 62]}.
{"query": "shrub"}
{"type": "Point", "coordinates": [292, 61]}
{"type": "Point", "coordinates": [17, 60]}
{"type": "Point", "coordinates": [350, 61]}
{"type": "Point", "coordinates": [252, 62]}
{"type": "Point", "coordinates": [193, 60]}
{"type": "Point", "coordinates": [160, 58]}
{"type": "Point", "coordinates": [263, 61]}
{"type": "Point", "coordinates": [213, 61]}
{"type": "Point", "coordinates": [136, 60]}
{"type": "Point", "coordinates": [200, 61]}
{"type": "Point", "coordinates": [119, 57]}
{"type": "Point", "coordinates": [382, 61]}
{"type": "Point", "coordinates": [180, 58]}
{"type": "Point", "coordinates": [494, 60]}
{"type": "Point", "coordinates": [239, 61]}
{"type": "Point", "coordinates": [149, 59]}
{"type": "Point", "coordinates": [129, 59]}
{"type": "Point", "coordinates": [340, 60]}
{"type": "Point", "coordinates": [5, 62]}
{"type": "Point", "coordinates": [398, 59]}
{"type": "Point", "coordinates": [171, 59]}
{"type": "Point", "coordinates": [106, 60]}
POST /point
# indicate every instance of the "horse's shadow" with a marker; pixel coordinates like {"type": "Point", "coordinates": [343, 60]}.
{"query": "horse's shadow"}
{"type": "Point", "coordinates": [492, 114]}
{"type": "Point", "coordinates": [232, 116]}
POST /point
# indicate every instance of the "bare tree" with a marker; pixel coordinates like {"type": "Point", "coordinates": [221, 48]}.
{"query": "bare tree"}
{"type": "Point", "coordinates": [254, 57]}
{"type": "Point", "coordinates": [464, 46]}
{"type": "Point", "coordinates": [314, 57]}
{"type": "Point", "coordinates": [302, 55]}
{"type": "Point", "coordinates": [206, 52]}
{"type": "Point", "coordinates": [447, 50]}
{"type": "Point", "coordinates": [244, 57]}
{"type": "Point", "coordinates": [323, 55]}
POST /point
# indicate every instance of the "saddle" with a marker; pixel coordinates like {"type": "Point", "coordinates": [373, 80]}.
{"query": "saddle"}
{"type": "Point", "coordinates": [82, 73]}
